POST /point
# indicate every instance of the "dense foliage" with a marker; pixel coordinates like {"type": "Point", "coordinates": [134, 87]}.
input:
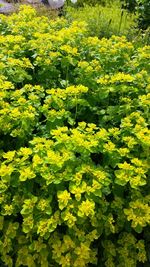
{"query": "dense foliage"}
{"type": "Point", "coordinates": [143, 8]}
{"type": "Point", "coordinates": [129, 4]}
{"type": "Point", "coordinates": [140, 7]}
{"type": "Point", "coordinates": [104, 21]}
{"type": "Point", "coordinates": [74, 146]}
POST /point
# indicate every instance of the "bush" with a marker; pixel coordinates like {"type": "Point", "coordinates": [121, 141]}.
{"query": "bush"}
{"type": "Point", "coordinates": [129, 4]}
{"type": "Point", "coordinates": [104, 21]}
{"type": "Point", "coordinates": [74, 146]}
{"type": "Point", "coordinates": [143, 8]}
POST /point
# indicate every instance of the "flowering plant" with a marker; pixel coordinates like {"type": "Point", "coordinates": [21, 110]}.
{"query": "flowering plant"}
{"type": "Point", "coordinates": [74, 146]}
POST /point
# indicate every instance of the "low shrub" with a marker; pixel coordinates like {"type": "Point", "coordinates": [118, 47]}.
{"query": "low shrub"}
{"type": "Point", "coordinates": [74, 146]}
{"type": "Point", "coordinates": [104, 21]}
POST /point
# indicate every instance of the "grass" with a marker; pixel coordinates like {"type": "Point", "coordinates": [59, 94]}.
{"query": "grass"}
{"type": "Point", "coordinates": [104, 21]}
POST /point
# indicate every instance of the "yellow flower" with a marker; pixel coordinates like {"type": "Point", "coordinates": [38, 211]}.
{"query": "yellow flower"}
{"type": "Point", "coordinates": [93, 41]}
{"type": "Point", "coordinates": [36, 161]}
{"type": "Point", "coordinates": [95, 186]}
{"type": "Point", "coordinates": [104, 80]}
{"type": "Point", "coordinates": [126, 166]}
{"type": "Point", "coordinates": [6, 170]}
{"type": "Point", "coordinates": [102, 134]}
{"type": "Point", "coordinates": [66, 260]}
{"type": "Point", "coordinates": [114, 132]}
{"type": "Point", "coordinates": [26, 173]}
{"type": "Point", "coordinates": [25, 152]}
{"type": "Point", "coordinates": [109, 147]}
{"type": "Point", "coordinates": [123, 151]}
{"type": "Point", "coordinates": [83, 64]}
{"type": "Point", "coordinates": [21, 101]}
{"type": "Point", "coordinates": [8, 209]}
{"type": "Point", "coordinates": [130, 141]}
{"type": "Point", "coordinates": [137, 162]}
{"type": "Point", "coordinates": [126, 123]}
{"type": "Point", "coordinates": [69, 49]}
{"type": "Point", "coordinates": [15, 113]}
{"type": "Point", "coordinates": [42, 227]}
{"type": "Point", "coordinates": [79, 89]}
{"type": "Point", "coordinates": [138, 213]}
{"type": "Point", "coordinates": [9, 155]}
{"type": "Point", "coordinates": [77, 191]}
{"type": "Point", "coordinates": [141, 251]}
{"type": "Point", "coordinates": [86, 208]}
{"type": "Point", "coordinates": [43, 204]}
{"type": "Point", "coordinates": [121, 77]}
{"type": "Point", "coordinates": [103, 50]}
{"type": "Point", "coordinates": [63, 198]}
{"type": "Point", "coordinates": [83, 251]}
{"type": "Point", "coordinates": [69, 218]}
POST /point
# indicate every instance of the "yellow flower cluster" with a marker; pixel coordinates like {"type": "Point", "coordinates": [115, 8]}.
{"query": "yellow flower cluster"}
{"type": "Point", "coordinates": [138, 213]}
{"type": "Point", "coordinates": [119, 77]}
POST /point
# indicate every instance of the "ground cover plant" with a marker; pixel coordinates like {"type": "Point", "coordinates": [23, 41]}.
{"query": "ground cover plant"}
{"type": "Point", "coordinates": [74, 146]}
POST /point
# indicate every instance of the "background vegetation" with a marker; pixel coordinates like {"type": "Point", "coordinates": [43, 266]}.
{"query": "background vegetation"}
{"type": "Point", "coordinates": [104, 21]}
